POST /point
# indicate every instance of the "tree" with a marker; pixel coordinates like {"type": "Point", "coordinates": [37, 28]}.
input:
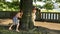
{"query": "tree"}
{"type": "Point", "coordinates": [26, 22]}
{"type": "Point", "coordinates": [6, 5]}
{"type": "Point", "coordinates": [58, 1]}
{"type": "Point", "coordinates": [48, 6]}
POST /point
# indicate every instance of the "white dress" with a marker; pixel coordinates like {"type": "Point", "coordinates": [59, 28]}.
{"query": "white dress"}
{"type": "Point", "coordinates": [33, 17]}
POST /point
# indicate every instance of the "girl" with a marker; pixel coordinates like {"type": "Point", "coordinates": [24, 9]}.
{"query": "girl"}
{"type": "Point", "coordinates": [16, 20]}
{"type": "Point", "coordinates": [34, 14]}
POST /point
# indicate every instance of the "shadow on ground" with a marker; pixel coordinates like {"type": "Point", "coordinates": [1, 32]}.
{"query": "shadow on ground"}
{"type": "Point", "coordinates": [35, 30]}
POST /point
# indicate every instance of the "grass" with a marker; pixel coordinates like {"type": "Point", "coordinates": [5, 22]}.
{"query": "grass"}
{"type": "Point", "coordinates": [41, 30]}
{"type": "Point", "coordinates": [4, 30]}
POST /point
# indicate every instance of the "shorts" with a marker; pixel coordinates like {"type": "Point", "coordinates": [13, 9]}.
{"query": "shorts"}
{"type": "Point", "coordinates": [15, 20]}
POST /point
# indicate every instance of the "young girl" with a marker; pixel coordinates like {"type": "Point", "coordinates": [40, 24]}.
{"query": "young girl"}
{"type": "Point", "coordinates": [34, 14]}
{"type": "Point", "coordinates": [16, 20]}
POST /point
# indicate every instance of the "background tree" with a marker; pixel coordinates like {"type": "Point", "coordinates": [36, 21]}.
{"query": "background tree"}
{"type": "Point", "coordinates": [9, 6]}
{"type": "Point", "coordinates": [48, 6]}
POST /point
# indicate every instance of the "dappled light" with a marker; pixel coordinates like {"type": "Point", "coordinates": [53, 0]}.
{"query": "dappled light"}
{"type": "Point", "coordinates": [29, 16]}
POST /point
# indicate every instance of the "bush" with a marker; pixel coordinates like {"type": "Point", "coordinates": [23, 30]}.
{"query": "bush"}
{"type": "Point", "coordinates": [48, 6]}
{"type": "Point", "coordinates": [7, 6]}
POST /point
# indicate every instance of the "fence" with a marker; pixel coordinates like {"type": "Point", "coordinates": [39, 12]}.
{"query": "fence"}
{"type": "Point", "coordinates": [43, 16]}
{"type": "Point", "coordinates": [50, 16]}
{"type": "Point", "coordinates": [7, 14]}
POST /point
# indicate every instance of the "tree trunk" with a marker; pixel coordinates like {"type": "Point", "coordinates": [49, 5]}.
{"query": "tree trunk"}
{"type": "Point", "coordinates": [26, 21]}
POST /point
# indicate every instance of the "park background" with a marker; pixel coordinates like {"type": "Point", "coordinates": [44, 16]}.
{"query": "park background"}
{"type": "Point", "coordinates": [8, 8]}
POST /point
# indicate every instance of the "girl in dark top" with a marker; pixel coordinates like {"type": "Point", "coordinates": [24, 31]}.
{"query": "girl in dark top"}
{"type": "Point", "coordinates": [16, 20]}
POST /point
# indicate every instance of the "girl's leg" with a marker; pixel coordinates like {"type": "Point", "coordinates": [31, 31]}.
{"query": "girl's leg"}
{"type": "Point", "coordinates": [17, 27]}
{"type": "Point", "coordinates": [33, 21]}
{"type": "Point", "coordinates": [10, 28]}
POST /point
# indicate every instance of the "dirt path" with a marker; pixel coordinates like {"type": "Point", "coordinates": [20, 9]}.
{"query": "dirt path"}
{"type": "Point", "coordinates": [54, 26]}
{"type": "Point", "coordinates": [5, 21]}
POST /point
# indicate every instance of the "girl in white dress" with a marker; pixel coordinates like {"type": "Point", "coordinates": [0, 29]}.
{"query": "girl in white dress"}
{"type": "Point", "coordinates": [34, 14]}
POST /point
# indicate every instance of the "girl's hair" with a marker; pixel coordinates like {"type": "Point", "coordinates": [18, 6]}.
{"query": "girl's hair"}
{"type": "Point", "coordinates": [21, 11]}
{"type": "Point", "coordinates": [34, 8]}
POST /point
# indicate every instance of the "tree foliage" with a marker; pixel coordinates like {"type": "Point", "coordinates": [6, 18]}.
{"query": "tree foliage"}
{"type": "Point", "coordinates": [48, 6]}
{"type": "Point", "coordinates": [9, 6]}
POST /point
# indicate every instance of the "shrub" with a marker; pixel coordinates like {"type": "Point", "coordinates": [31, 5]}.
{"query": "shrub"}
{"type": "Point", "coordinates": [48, 6]}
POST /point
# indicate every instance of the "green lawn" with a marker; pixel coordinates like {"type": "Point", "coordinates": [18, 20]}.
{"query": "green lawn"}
{"type": "Point", "coordinates": [40, 30]}
{"type": "Point", "coordinates": [4, 30]}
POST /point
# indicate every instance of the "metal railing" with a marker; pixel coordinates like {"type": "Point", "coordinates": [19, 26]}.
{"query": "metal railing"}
{"type": "Point", "coordinates": [7, 14]}
{"type": "Point", "coordinates": [50, 16]}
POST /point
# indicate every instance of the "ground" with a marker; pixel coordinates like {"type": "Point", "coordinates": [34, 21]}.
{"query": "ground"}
{"type": "Point", "coordinates": [41, 28]}
{"type": "Point", "coordinates": [49, 25]}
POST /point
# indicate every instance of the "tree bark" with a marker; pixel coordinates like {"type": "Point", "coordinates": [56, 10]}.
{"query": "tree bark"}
{"type": "Point", "coordinates": [26, 21]}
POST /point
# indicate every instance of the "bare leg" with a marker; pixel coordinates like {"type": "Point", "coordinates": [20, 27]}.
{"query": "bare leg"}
{"type": "Point", "coordinates": [17, 27]}
{"type": "Point", "coordinates": [33, 21]}
{"type": "Point", "coordinates": [10, 28]}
